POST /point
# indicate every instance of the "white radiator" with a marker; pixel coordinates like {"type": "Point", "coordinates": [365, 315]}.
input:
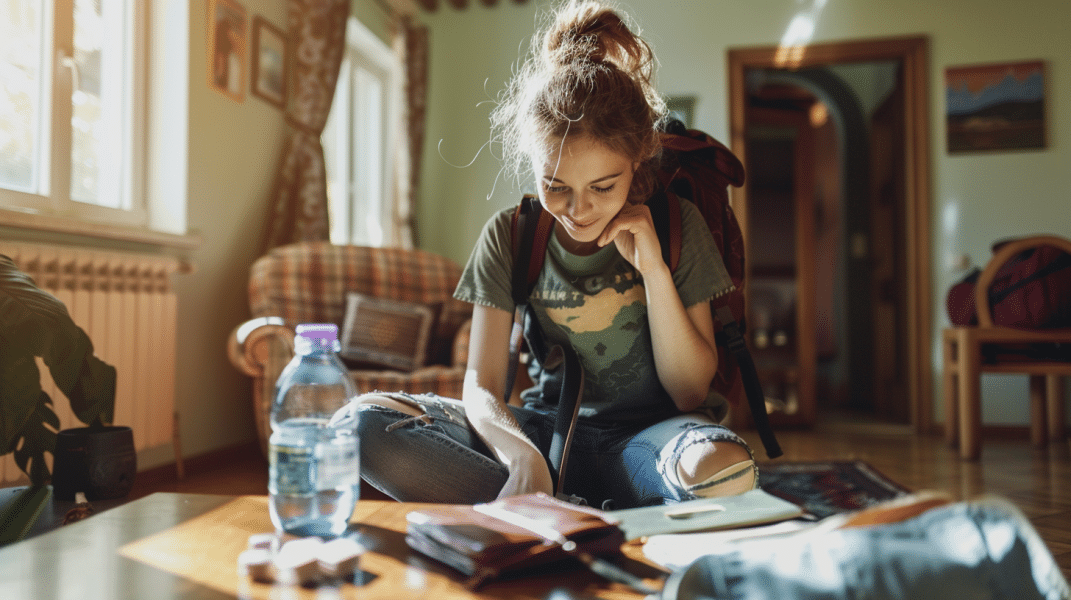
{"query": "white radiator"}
{"type": "Point", "coordinates": [125, 303]}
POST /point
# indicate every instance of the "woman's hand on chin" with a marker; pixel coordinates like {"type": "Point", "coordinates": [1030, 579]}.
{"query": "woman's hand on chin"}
{"type": "Point", "coordinates": [633, 231]}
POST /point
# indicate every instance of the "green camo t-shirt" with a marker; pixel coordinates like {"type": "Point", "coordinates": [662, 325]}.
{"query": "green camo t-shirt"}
{"type": "Point", "coordinates": [597, 304]}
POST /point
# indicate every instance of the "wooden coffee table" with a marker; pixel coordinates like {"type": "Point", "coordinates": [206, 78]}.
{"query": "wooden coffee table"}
{"type": "Point", "coordinates": [186, 546]}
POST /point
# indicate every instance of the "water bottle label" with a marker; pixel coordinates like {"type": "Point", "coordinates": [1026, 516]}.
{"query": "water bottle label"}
{"type": "Point", "coordinates": [337, 465]}
{"type": "Point", "coordinates": [292, 470]}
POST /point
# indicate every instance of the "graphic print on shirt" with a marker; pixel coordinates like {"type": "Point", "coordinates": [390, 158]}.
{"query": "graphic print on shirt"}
{"type": "Point", "coordinates": [605, 319]}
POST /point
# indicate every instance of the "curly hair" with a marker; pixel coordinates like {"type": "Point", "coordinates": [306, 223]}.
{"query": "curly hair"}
{"type": "Point", "coordinates": [588, 74]}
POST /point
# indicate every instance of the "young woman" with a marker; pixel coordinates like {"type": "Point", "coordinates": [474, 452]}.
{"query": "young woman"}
{"type": "Point", "coordinates": [582, 119]}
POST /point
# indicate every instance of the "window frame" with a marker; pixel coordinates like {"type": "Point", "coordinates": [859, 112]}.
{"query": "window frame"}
{"type": "Point", "coordinates": [49, 206]}
{"type": "Point", "coordinates": [365, 50]}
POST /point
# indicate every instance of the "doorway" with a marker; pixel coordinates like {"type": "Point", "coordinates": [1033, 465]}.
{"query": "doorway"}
{"type": "Point", "coordinates": [835, 215]}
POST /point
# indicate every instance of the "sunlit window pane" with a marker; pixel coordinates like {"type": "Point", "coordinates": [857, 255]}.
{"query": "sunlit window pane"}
{"type": "Point", "coordinates": [20, 72]}
{"type": "Point", "coordinates": [97, 131]}
{"type": "Point", "coordinates": [335, 139]}
{"type": "Point", "coordinates": [368, 168]}
{"type": "Point", "coordinates": [355, 141]}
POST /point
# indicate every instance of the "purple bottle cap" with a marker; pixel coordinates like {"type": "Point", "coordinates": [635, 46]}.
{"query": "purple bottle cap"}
{"type": "Point", "coordinates": [323, 331]}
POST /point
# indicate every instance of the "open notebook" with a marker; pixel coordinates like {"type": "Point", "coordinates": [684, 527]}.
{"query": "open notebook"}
{"type": "Point", "coordinates": [755, 507]}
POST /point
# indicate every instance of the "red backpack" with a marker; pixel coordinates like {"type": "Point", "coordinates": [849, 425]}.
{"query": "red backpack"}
{"type": "Point", "coordinates": [1032, 290]}
{"type": "Point", "coordinates": [698, 168]}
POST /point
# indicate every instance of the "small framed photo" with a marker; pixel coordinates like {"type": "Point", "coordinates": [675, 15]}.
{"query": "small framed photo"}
{"type": "Point", "coordinates": [227, 56]}
{"type": "Point", "coordinates": [995, 107]}
{"type": "Point", "coordinates": [682, 108]}
{"type": "Point", "coordinates": [270, 58]}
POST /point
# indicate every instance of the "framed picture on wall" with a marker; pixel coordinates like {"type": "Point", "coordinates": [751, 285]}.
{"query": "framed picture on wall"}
{"type": "Point", "coordinates": [227, 25]}
{"type": "Point", "coordinates": [270, 58]}
{"type": "Point", "coordinates": [995, 107]}
{"type": "Point", "coordinates": [682, 108]}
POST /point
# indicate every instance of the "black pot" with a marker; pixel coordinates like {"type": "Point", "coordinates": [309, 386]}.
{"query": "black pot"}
{"type": "Point", "coordinates": [101, 463]}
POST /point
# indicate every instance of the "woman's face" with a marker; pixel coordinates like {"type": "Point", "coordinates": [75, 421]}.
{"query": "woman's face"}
{"type": "Point", "coordinates": [584, 185]}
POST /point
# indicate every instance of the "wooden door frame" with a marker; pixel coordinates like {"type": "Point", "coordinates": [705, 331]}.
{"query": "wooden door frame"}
{"type": "Point", "coordinates": [912, 52]}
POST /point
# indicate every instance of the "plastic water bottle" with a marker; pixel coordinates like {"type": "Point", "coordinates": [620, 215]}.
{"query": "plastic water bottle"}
{"type": "Point", "coordinates": [314, 474]}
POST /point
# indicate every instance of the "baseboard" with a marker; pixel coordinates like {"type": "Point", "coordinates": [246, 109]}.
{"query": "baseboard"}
{"type": "Point", "coordinates": [1006, 432]}
{"type": "Point", "coordinates": [200, 463]}
{"type": "Point", "coordinates": [993, 432]}
{"type": "Point", "coordinates": [868, 428]}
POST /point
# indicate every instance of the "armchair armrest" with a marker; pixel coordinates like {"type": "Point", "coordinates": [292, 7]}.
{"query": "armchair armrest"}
{"type": "Point", "coordinates": [258, 342]}
{"type": "Point", "coordinates": [260, 348]}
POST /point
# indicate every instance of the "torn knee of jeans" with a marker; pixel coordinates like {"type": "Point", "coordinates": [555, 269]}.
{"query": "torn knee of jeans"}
{"type": "Point", "coordinates": [729, 479]}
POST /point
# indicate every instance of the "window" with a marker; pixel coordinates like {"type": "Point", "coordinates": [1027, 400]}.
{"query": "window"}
{"type": "Point", "coordinates": [357, 140]}
{"type": "Point", "coordinates": [69, 109]}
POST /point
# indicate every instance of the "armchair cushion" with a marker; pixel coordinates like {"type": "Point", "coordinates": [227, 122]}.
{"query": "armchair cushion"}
{"type": "Point", "coordinates": [385, 333]}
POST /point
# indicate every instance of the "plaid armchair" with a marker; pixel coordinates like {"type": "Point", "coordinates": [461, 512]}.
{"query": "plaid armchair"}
{"type": "Point", "coordinates": [308, 283]}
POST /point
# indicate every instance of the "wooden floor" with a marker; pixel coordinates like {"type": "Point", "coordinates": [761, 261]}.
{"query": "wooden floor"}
{"type": "Point", "coordinates": [1038, 481]}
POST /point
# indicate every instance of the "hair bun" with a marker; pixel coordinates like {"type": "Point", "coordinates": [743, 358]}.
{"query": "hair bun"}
{"type": "Point", "coordinates": [593, 32]}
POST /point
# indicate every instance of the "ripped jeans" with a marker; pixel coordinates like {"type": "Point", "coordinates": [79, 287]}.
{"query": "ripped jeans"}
{"type": "Point", "coordinates": [441, 459]}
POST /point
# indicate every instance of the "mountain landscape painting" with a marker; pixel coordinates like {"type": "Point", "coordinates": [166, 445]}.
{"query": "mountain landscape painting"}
{"type": "Point", "coordinates": [995, 107]}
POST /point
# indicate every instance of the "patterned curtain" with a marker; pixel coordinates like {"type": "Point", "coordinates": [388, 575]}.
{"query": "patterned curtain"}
{"type": "Point", "coordinates": [299, 197]}
{"type": "Point", "coordinates": [411, 45]}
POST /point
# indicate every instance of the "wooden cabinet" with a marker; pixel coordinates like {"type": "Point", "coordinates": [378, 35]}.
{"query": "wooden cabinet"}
{"type": "Point", "coordinates": [781, 285]}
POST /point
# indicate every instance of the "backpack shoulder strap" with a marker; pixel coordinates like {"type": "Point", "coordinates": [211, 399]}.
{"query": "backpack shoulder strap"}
{"type": "Point", "coordinates": [531, 230]}
{"type": "Point", "coordinates": [749, 375]}
{"type": "Point", "coordinates": [666, 213]}
{"type": "Point", "coordinates": [532, 227]}
{"type": "Point", "coordinates": [522, 233]}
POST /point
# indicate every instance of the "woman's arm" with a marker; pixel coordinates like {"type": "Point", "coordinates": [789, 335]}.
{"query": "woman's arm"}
{"type": "Point", "coordinates": [485, 383]}
{"type": "Point", "coordinates": [682, 339]}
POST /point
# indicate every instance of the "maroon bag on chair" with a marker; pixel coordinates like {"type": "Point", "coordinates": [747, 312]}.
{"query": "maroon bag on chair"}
{"type": "Point", "coordinates": [1032, 290]}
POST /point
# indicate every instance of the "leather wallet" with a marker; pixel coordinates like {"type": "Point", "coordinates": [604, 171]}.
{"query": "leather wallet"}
{"type": "Point", "coordinates": [511, 534]}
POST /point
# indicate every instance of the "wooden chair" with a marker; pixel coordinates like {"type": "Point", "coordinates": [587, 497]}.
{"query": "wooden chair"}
{"type": "Point", "coordinates": [964, 364]}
